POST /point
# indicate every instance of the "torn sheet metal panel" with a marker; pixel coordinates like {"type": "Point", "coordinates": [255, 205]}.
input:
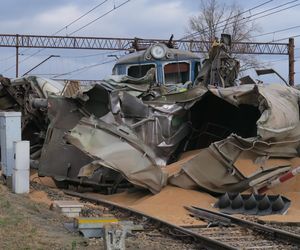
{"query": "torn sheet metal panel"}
{"type": "Point", "coordinates": [59, 159]}
{"type": "Point", "coordinates": [64, 114]}
{"type": "Point", "coordinates": [120, 151]}
{"type": "Point", "coordinates": [278, 135]}
{"type": "Point", "coordinates": [278, 105]}
{"type": "Point", "coordinates": [28, 95]}
{"type": "Point", "coordinates": [118, 132]}
{"type": "Point", "coordinates": [219, 173]}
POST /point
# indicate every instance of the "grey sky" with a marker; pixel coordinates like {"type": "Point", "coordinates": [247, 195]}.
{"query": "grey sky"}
{"type": "Point", "coordinates": [138, 18]}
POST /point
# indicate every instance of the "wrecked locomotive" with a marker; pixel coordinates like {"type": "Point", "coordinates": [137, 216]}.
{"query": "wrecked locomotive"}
{"type": "Point", "coordinates": [157, 123]}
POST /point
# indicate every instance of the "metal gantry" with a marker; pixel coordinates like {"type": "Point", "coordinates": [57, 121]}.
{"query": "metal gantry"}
{"type": "Point", "coordinates": [108, 43]}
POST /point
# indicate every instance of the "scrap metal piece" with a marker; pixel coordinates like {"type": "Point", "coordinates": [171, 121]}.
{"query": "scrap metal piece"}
{"type": "Point", "coordinates": [270, 71]}
{"type": "Point", "coordinates": [253, 204]}
{"type": "Point", "coordinates": [211, 218]}
{"type": "Point", "coordinates": [220, 69]}
{"type": "Point", "coordinates": [129, 156]}
{"type": "Point", "coordinates": [93, 227]}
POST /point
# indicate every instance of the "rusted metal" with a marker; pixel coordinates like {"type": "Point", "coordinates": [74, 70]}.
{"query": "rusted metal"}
{"type": "Point", "coordinates": [108, 43]}
{"type": "Point", "coordinates": [291, 53]}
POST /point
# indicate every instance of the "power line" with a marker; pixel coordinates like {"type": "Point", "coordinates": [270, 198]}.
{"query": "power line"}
{"type": "Point", "coordinates": [248, 10]}
{"type": "Point", "coordinates": [92, 55]}
{"type": "Point", "coordinates": [83, 68]}
{"type": "Point", "coordinates": [79, 18]}
{"type": "Point", "coordinates": [66, 26]}
{"type": "Point", "coordinates": [285, 38]}
{"type": "Point", "coordinates": [276, 31]}
{"type": "Point", "coordinates": [280, 60]}
{"type": "Point", "coordinates": [7, 58]}
{"type": "Point", "coordinates": [103, 15]}
{"type": "Point", "coordinates": [81, 56]}
{"type": "Point", "coordinates": [274, 61]}
{"type": "Point", "coordinates": [249, 18]}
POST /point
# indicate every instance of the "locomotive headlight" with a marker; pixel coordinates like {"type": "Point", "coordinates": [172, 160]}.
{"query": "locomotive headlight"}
{"type": "Point", "coordinates": [158, 51]}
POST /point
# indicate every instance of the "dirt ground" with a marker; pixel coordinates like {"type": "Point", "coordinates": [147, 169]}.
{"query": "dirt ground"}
{"type": "Point", "coordinates": [26, 222]}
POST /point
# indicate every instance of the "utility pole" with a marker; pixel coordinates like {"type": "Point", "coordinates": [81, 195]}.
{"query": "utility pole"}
{"type": "Point", "coordinates": [17, 55]}
{"type": "Point", "coordinates": [291, 61]}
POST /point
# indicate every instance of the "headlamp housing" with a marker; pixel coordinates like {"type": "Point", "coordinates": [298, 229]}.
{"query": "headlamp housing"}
{"type": "Point", "coordinates": [158, 51]}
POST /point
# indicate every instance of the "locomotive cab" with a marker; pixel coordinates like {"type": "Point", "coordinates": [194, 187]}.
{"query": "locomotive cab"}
{"type": "Point", "coordinates": [172, 66]}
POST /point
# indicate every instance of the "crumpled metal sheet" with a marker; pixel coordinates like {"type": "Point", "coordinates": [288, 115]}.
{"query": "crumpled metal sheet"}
{"type": "Point", "coordinates": [220, 69]}
{"type": "Point", "coordinates": [213, 168]}
{"type": "Point", "coordinates": [59, 159]}
{"type": "Point", "coordinates": [119, 150]}
{"type": "Point", "coordinates": [278, 105]}
{"type": "Point", "coordinates": [278, 135]}
{"type": "Point", "coordinates": [20, 95]}
{"type": "Point", "coordinates": [135, 135]}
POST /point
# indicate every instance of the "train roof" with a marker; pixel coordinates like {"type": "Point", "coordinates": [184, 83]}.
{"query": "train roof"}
{"type": "Point", "coordinates": [145, 56]}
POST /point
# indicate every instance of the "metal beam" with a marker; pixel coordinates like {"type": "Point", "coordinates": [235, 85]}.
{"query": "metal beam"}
{"type": "Point", "coordinates": [105, 43]}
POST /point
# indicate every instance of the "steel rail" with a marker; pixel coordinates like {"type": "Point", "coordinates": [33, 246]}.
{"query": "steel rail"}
{"type": "Point", "coordinates": [205, 241]}
{"type": "Point", "coordinates": [277, 234]}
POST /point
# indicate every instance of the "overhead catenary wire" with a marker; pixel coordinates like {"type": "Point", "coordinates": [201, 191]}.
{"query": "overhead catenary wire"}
{"type": "Point", "coordinates": [64, 27]}
{"type": "Point", "coordinates": [84, 68]}
{"type": "Point", "coordinates": [276, 31]}
{"type": "Point", "coordinates": [250, 17]}
{"type": "Point", "coordinates": [225, 20]}
{"type": "Point", "coordinates": [82, 16]}
{"type": "Point", "coordinates": [103, 15]}
{"type": "Point", "coordinates": [280, 60]}
{"type": "Point", "coordinates": [93, 55]}
{"type": "Point", "coordinates": [88, 55]}
{"type": "Point", "coordinates": [265, 63]}
{"type": "Point", "coordinates": [77, 19]}
{"type": "Point", "coordinates": [84, 26]}
{"type": "Point", "coordinates": [281, 39]}
{"type": "Point", "coordinates": [7, 58]}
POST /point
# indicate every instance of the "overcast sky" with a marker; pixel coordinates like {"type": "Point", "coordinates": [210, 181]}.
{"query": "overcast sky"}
{"type": "Point", "coordinates": [137, 18]}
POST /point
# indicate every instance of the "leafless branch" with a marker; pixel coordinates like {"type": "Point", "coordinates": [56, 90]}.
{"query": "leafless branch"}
{"type": "Point", "coordinates": [215, 18]}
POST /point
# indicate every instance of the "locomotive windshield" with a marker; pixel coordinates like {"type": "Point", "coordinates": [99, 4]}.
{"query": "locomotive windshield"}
{"type": "Point", "coordinates": [178, 72]}
{"type": "Point", "coordinates": [139, 70]}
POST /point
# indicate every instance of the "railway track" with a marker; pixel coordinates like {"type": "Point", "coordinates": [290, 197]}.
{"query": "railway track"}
{"type": "Point", "coordinates": [228, 232]}
{"type": "Point", "coordinates": [244, 234]}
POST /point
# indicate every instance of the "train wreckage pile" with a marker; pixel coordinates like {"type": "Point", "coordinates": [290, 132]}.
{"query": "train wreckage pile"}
{"type": "Point", "coordinates": [125, 131]}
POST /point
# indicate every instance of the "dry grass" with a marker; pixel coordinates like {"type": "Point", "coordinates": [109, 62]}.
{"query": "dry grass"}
{"type": "Point", "coordinates": [28, 225]}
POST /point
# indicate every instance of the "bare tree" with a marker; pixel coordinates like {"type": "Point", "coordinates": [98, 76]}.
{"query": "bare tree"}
{"type": "Point", "coordinates": [215, 18]}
